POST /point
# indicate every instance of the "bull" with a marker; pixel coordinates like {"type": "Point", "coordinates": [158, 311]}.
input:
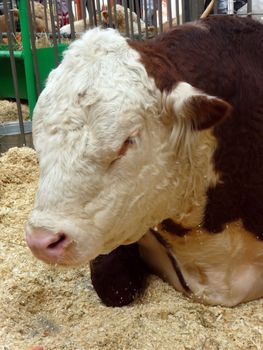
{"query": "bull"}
{"type": "Point", "coordinates": [150, 157]}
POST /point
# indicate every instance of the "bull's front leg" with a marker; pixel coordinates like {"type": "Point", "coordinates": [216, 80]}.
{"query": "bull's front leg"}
{"type": "Point", "coordinates": [120, 276]}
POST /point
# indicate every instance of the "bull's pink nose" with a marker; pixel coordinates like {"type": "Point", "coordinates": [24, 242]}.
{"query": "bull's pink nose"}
{"type": "Point", "coordinates": [47, 245]}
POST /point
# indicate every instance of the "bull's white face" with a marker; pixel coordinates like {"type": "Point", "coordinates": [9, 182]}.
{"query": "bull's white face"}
{"type": "Point", "coordinates": [116, 157]}
{"type": "Point", "coordinates": [97, 131]}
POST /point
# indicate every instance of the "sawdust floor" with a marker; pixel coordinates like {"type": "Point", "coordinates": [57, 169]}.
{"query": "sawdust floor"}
{"type": "Point", "coordinates": [57, 308]}
{"type": "Point", "coordinates": [8, 111]}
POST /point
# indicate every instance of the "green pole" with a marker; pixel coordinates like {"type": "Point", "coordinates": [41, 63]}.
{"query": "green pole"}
{"type": "Point", "coordinates": [27, 53]}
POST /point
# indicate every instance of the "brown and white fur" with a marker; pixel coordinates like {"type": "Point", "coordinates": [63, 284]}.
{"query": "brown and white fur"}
{"type": "Point", "coordinates": [165, 135]}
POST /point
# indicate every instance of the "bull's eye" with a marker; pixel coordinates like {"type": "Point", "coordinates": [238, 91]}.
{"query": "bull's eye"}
{"type": "Point", "coordinates": [128, 142]}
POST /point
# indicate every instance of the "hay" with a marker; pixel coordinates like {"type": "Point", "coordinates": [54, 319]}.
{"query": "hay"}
{"type": "Point", "coordinates": [58, 309]}
{"type": "Point", "coordinates": [8, 111]}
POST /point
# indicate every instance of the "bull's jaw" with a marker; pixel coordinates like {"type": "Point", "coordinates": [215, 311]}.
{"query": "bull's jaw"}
{"type": "Point", "coordinates": [172, 194]}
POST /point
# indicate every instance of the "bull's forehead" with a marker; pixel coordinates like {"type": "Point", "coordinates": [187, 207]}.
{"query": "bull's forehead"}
{"type": "Point", "coordinates": [100, 78]}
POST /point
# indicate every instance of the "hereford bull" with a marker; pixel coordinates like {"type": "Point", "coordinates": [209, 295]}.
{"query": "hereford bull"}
{"type": "Point", "coordinates": [151, 159]}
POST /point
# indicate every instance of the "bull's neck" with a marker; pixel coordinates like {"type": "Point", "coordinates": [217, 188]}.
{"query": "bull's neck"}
{"type": "Point", "coordinates": [192, 172]}
{"type": "Point", "coordinates": [190, 165]}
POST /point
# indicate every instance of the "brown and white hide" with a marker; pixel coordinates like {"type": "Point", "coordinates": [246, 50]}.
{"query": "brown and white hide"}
{"type": "Point", "coordinates": [150, 158]}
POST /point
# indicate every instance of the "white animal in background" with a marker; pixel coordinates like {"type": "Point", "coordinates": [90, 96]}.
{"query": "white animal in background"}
{"type": "Point", "coordinates": [79, 27]}
{"type": "Point", "coordinates": [118, 22]}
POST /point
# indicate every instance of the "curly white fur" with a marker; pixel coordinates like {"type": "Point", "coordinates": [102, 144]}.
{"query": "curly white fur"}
{"type": "Point", "coordinates": [97, 98]}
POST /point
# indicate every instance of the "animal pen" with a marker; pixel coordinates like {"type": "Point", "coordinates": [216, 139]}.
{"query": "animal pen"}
{"type": "Point", "coordinates": [58, 308]}
{"type": "Point", "coordinates": [33, 36]}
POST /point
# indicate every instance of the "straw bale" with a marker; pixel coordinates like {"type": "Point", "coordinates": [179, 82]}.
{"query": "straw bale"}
{"type": "Point", "coordinates": [57, 308]}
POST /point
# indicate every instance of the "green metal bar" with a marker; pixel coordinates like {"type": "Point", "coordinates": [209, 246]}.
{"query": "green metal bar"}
{"type": "Point", "coordinates": [28, 60]}
{"type": "Point", "coordinates": [17, 54]}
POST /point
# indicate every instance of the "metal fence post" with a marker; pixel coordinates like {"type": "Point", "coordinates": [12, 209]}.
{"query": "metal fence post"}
{"type": "Point", "coordinates": [27, 53]}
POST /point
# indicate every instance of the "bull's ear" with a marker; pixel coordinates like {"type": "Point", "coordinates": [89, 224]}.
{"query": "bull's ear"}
{"type": "Point", "coordinates": [189, 105]}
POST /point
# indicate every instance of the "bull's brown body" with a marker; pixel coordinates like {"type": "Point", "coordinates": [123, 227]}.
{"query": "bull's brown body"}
{"type": "Point", "coordinates": [163, 135]}
{"type": "Point", "coordinates": [222, 57]}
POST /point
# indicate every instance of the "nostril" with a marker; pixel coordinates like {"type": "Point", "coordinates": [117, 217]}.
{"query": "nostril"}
{"type": "Point", "coordinates": [49, 246]}
{"type": "Point", "coordinates": [61, 238]}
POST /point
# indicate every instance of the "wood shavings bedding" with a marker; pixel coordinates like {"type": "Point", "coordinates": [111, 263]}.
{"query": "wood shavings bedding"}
{"type": "Point", "coordinates": [8, 111]}
{"type": "Point", "coordinates": [58, 308]}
